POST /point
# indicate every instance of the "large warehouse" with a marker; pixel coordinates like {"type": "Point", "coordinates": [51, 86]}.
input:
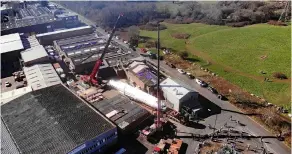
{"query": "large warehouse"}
{"type": "Point", "coordinates": [54, 120]}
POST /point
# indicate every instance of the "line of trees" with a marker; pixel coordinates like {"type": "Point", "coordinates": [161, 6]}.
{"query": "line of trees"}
{"type": "Point", "coordinates": [138, 13]}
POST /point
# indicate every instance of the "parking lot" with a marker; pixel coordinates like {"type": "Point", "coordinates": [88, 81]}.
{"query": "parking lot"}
{"type": "Point", "coordinates": [10, 79]}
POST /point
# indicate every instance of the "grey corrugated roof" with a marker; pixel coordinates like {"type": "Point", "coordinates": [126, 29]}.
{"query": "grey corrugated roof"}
{"type": "Point", "coordinates": [132, 111]}
{"type": "Point", "coordinates": [41, 75]}
{"type": "Point", "coordinates": [34, 53]}
{"type": "Point", "coordinates": [52, 120]}
{"type": "Point", "coordinates": [7, 144]}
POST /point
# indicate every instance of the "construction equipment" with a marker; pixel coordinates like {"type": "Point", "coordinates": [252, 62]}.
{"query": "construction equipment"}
{"type": "Point", "coordinates": [185, 116]}
{"type": "Point", "coordinates": [92, 78]}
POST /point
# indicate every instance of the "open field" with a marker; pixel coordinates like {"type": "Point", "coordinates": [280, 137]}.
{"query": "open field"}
{"type": "Point", "coordinates": [238, 55]}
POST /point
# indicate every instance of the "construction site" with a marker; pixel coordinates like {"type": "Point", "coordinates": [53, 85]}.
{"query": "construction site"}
{"type": "Point", "coordinates": [131, 101]}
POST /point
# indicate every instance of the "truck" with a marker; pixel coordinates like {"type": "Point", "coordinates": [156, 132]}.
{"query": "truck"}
{"type": "Point", "coordinates": [186, 116]}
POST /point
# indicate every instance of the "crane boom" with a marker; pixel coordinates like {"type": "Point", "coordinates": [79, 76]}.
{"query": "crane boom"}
{"type": "Point", "coordinates": [91, 78]}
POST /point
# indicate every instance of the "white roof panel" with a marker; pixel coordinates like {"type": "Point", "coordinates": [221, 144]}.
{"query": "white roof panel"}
{"type": "Point", "coordinates": [41, 76]}
{"type": "Point", "coordinates": [33, 53]}
{"type": "Point", "coordinates": [139, 68]}
{"type": "Point", "coordinates": [13, 94]}
{"type": "Point", "coordinates": [11, 42]}
{"type": "Point", "coordinates": [174, 88]}
{"type": "Point", "coordinates": [62, 31]}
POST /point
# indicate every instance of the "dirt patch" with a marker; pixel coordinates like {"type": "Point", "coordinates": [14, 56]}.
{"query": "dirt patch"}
{"type": "Point", "coordinates": [263, 57]}
{"type": "Point", "coordinates": [180, 35]}
{"type": "Point", "coordinates": [211, 146]}
{"type": "Point", "coordinates": [277, 23]}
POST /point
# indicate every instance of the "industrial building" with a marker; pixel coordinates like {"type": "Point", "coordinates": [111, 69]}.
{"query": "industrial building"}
{"type": "Point", "coordinates": [28, 17]}
{"type": "Point", "coordinates": [48, 38]}
{"type": "Point", "coordinates": [68, 19]}
{"type": "Point", "coordinates": [76, 51]}
{"type": "Point", "coordinates": [54, 120]}
{"type": "Point", "coordinates": [11, 45]}
{"type": "Point", "coordinates": [140, 75]}
{"type": "Point", "coordinates": [177, 96]}
{"type": "Point", "coordinates": [125, 113]}
{"type": "Point", "coordinates": [41, 76]}
{"type": "Point", "coordinates": [34, 55]}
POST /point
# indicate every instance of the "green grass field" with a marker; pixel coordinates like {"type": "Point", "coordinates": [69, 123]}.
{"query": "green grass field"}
{"type": "Point", "coordinates": [247, 50]}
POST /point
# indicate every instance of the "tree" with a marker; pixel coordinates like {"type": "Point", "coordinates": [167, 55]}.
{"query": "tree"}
{"type": "Point", "coordinates": [133, 33]}
{"type": "Point", "coordinates": [184, 54]}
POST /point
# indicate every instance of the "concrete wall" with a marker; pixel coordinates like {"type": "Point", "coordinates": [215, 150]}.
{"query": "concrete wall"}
{"type": "Point", "coordinates": [133, 78]}
{"type": "Point", "coordinates": [98, 144]}
{"type": "Point", "coordinates": [37, 61]}
{"type": "Point", "coordinates": [174, 102]}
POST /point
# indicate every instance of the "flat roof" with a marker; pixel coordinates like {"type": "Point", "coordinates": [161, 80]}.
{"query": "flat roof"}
{"type": "Point", "coordinates": [34, 53]}
{"type": "Point", "coordinates": [121, 109]}
{"type": "Point", "coordinates": [10, 95]}
{"type": "Point", "coordinates": [52, 120]}
{"type": "Point", "coordinates": [11, 42]}
{"type": "Point", "coordinates": [62, 31]}
{"type": "Point", "coordinates": [41, 76]}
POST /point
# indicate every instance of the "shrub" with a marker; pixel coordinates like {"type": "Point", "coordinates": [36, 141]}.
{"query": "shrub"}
{"type": "Point", "coordinates": [150, 44]}
{"type": "Point", "coordinates": [277, 23]}
{"type": "Point", "coordinates": [184, 54]}
{"type": "Point", "coordinates": [279, 75]}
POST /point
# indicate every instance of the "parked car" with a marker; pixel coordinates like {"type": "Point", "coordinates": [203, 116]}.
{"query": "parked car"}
{"type": "Point", "coordinates": [181, 71]}
{"type": "Point", "coordinates": [7, 84]}
{"type": "Point", "coordinates": [201, 83]}
{"type": "Point", "coordinates": [20, 86]}
{"type": "Point", "coordinates": [213, 90]}
{"type": "Point", "coordinates": [190, 75]}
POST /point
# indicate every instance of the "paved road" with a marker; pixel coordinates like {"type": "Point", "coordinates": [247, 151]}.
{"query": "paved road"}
{"type": "Point", "coordinates": [251, 127]}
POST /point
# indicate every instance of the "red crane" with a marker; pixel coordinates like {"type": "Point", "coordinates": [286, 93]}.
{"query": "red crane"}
{"type": "Point", "coordinates": [91, 78]}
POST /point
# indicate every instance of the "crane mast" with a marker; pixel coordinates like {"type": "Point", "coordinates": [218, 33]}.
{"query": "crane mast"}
{"type": "Point", "coordinates": [91, 78]}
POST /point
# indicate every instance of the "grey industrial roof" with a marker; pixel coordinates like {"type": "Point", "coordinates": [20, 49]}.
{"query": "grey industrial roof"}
{"type": "Point", "coordinates": [132, 111]}
{"type": "Point", "coordinates": [27, 22]}
{"type": "Point", "coordinates": [34, 53]}
{"type": "Point", "coordinates": [52, 120]}
{"type": "Point", "coordinates": [7, 144]}
{"type": "Point", "coordinates": [11, 42]}
{"type": "Point", "coordinates": [41, 75]}
{"type": "Point", "coordinates": [62, 31]}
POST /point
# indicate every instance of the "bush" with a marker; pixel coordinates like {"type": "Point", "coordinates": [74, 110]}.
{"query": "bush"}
{"type": "Point", "coordinates": [180, 35]}
{"type": "Point", "coordinates": [279, 75]}
{"type": "Point", "coordinates": [180, 20]}
{"type": "Point", "coordinates": [277, 23]}
{"type": "Point", "coordinates": [184, 54]}
{"type": "Point", "coordinates": [150, 44]}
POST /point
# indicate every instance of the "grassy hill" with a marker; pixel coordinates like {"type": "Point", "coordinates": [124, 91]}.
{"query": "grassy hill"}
{"type": "Point", "coordinates": [239, 54]}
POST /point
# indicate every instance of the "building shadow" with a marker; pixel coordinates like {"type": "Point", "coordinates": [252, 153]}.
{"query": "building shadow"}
{"type": "Point", "coordinates": [208, 108]}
